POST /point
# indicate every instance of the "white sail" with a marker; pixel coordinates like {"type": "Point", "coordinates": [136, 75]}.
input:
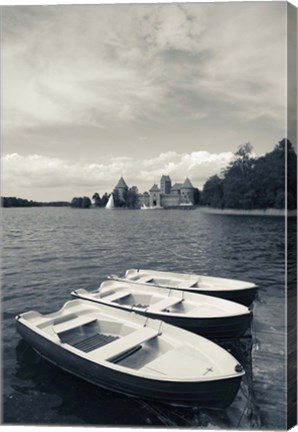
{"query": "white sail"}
{"type": "Point", "coordinates": [110, 203]}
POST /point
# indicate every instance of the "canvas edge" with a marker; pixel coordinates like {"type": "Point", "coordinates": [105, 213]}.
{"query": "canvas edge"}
{"type": "Point", "coordinates": [291, 231]}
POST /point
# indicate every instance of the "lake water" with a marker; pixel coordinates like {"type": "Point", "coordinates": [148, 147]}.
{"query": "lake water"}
{"type": "Point", "coordinates": [48, 252]}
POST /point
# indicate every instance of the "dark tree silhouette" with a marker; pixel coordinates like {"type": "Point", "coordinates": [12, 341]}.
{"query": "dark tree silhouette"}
{"type": "Point", "coordinates": [132, 198]}
{"type": "Point", "coordinates": [255, 183]}
{"type": "Point", "coordinates": [80, 202]}
{"type": "Point", "coordinates": [86, 202]}
{"type": "Point", "coordinates": [104, 199]}
{"type": "Point", "coordinates": [20, 202]}
{"type": "Point", "coordinates": [196, 196]}
{"type": "Point", "coordinates": [212, 194]}
{"type": "Point", "coordinates": [96, 199]}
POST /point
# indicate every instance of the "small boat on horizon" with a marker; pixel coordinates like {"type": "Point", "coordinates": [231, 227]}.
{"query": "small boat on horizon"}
{"type": "Point", "coordinates": [229, 289]}
{"type": "Point", "coordinates": [205, 315]}
{"type": "Point", "coordinates": [133, 355]}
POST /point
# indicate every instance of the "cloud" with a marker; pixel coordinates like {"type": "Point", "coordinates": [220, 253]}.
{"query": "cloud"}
{"type": "Point", "coordinates": [22, 174]}
{"type": "Point", "coordinates": [108, 65]}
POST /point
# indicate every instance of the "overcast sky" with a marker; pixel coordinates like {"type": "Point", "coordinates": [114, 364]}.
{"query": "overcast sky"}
{"type": "Point", "coordinates": [91, 93]}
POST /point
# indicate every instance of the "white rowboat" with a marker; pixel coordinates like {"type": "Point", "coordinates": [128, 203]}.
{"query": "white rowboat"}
{"type": "Point", "coordinates": [205, 315]}
{"type": "Point", "coordinates": [131, 354]}
{"type": "Point", "coordinates": [230, 289]}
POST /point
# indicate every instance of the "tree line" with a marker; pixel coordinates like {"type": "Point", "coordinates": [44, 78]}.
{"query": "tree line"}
{"type": "Point", "coordinates": [129, 199]}
{"type": "Point", "coordinates": [21, 202]}
{"type": "Point", "coordinates": [80, 202]}
{"type": "Point", "coordinates": [255, 183]}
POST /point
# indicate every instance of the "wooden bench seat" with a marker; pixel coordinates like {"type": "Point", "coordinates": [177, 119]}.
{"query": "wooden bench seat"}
{"type": "Point", "coordinates": [73, 323]}
{"type": "Point", "coordinates": [116, 296]}
{"type": "Point", "coordinates": [187, 283]}
{"type": "Point", "coordinates": [125, 343]}
{"type": "Point", "coordinates": [144, 279]}
{"type": "Point", "coordinates": [164, 304]}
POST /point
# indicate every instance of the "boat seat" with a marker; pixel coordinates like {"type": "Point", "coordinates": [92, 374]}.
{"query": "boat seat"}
{"type": "Point", "coordinates": [164, 304]}
{"type": "Point", "coordinates": [176, 362]}
{"type": "Point", "coordinates": [116, 296]}
{"type": "Point", "coordinates": [73, 323]}
{"type": "Point", "coordinates": [125, 343]}
{"type": "Point", "coordinates": [187, 283]}
{"type": "Point", "coordinates": [144, 279]}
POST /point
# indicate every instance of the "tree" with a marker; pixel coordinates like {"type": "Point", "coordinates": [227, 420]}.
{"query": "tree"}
{"type": "Point", "coordinates": [76, 202]}
{"type": "Point", "coordinates": [96, 199]}
{"type": "Point", "coordinates": [244, 151]}
{"type": "Point", "coordinates": [237, 191]}
{"type": "Point", "coordinates": [255, 183]}
{"type": "Point", "coordinates": [212, 194]}
{"type": "Point", "coordinates": [269, 178]}
{"type": "Point", "coordinates": [100, 202]}
{"type": "Point", "coordinates": [80, 202]}
{"type": "Point", "coordinates": [196, 196]}
{"type": "Point", "coordinates": [292, 177]}
{"type": "Point", "coordinates": [104, 200]}
{"type": "Point", "coordinates": [132, 198]}
{"type": "Point", "coordinates": [86, 202]}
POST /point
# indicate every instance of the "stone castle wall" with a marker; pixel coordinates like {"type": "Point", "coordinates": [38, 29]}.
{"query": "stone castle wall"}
{"type": "Point", "coordinates": [169, 200]}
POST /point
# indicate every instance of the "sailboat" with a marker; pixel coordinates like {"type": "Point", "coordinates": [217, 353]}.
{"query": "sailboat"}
{"type": "Point", "coordinates": [110, 203]}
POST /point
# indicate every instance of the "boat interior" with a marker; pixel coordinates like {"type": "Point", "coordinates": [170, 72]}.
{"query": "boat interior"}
{"type": "Point", "coordinates": [147, 302]}
{"type": "Point", "coordinates": [160, 300]}
{"type": "Point", "coordinates": [107, 339]}
{"type": "Point", "coordinates": [187, 281]}
{"type": "Point", "coordinates": [164, 282]}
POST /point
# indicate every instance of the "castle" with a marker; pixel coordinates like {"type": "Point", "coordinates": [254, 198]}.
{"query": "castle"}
{"type": "Point", "coordinates": [165, 196]}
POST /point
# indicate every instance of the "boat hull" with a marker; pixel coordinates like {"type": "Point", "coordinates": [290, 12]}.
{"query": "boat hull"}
{"type": "Point", "coordinates": [214, 393]}
{"type": "Point", "coordinates": [242, 296]}
{"type": "Point", "coordinates": [212, 328]}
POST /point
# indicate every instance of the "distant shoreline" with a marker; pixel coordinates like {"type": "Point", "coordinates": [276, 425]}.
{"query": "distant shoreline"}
{"type": "Point", "coordinates": [254, 212]}
{"type": "Point", "coordinates": [208, 210]}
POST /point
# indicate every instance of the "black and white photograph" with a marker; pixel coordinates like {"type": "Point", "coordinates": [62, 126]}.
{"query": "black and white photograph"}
{"type": "Point", "coordinates": [149, 215]}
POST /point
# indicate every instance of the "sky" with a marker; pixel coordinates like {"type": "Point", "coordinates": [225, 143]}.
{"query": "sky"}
{"type": "Point", "coordinates": [92, 93]}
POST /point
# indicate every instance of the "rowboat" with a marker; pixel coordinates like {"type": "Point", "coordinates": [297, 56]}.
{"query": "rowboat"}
{"type": "Point", "coordinates": [205, 315]}
{"type": "Point", "coordinates": [230, 289]}
{"type": "Point", "coordinates": [134, 355]}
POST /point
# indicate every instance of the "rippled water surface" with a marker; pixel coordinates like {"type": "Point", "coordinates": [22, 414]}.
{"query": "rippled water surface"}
{"type": "Point", "coordinates": [48, 252]}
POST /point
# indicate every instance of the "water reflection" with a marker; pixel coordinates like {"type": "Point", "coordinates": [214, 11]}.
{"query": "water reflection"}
{"type": "Point", "coordinates": [75, 401]}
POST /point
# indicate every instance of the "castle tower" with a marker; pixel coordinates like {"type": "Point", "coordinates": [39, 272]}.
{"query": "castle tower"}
{"type": "Point", "coordinates": [187, 193]}
{"type": "Point", "coordinates": [122, 188]}
{"type": "Point", "coordinates": [154, 196]}
{"type": "Point", "coordinates": [165, 184]}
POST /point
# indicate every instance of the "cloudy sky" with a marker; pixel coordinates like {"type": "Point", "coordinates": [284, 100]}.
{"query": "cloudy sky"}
{"type": "Point", "coordinates": [90, 93]}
